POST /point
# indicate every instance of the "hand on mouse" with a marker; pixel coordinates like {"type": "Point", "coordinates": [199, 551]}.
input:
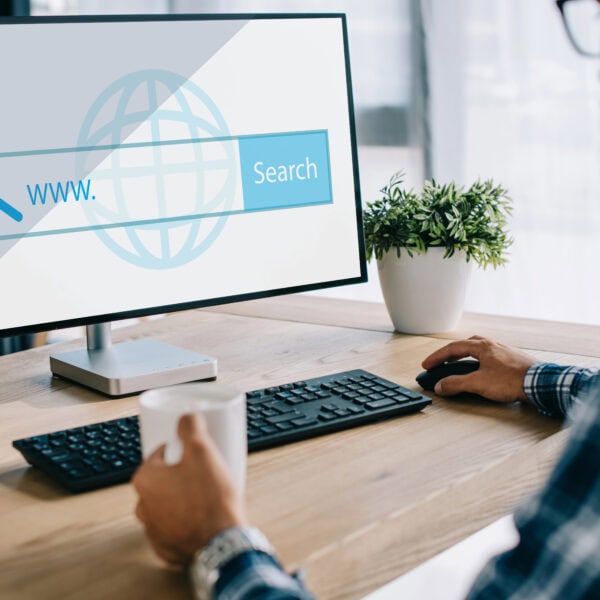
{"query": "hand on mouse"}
{"type": "Point", "coordinates": [183, 506]}
{"type": "Point", "coordinates": [500, 375]}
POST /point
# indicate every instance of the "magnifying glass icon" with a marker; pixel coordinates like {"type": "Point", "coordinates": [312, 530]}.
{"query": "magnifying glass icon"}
{"type": "Point", "coordinates": [11, 211]}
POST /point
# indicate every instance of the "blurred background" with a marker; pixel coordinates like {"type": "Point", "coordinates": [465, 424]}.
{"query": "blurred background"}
{"type": "Point", "coordinates": [464, 89]}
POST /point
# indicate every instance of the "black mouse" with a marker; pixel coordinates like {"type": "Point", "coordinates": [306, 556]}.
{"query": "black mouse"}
{"type": "Point", "coordinates": [428, 379]}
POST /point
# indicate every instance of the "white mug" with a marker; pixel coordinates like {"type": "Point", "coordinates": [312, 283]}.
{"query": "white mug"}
{"type": "Point", "coordinates": [223, 408]}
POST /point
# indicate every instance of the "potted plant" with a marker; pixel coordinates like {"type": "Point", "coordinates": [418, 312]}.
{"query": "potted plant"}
{"type": "Point", "coordinates": [425, 244]}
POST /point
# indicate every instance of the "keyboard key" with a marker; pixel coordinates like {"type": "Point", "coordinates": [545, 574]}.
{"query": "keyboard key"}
{"type": "Point", "coordinates": [252, 433]}
{"type": "Point", "coordinates": [254, 394]}
{"type": "Point", "coordinates": [390, 385]}
{"type": "Point", "coordinates": [256, 400]}
{"type": "Point", "coordinates": [399, 398]}
{"type": "Point", "coordinates": [380, 403]}
{"type": "Point", "coordinates": [71, 464]}
{"type": "Point", "coordinates": [50, 451]}
{"type": "Point", "coordinates": [376, 396]}
{"type": "Point", "coordinates": [62, 457]}
{"type": "Point", "coordinates": [268, 429]}
{"type": "Point", "coordinates": [412, 395]}
{"type": "Point", "coordinates": [280, 406]}
{"type": "Point", "coordinates": [284, 426]}
{"type": "Point", "coordinates": [357, 410]}
{"type": "Point", "coordinates": [282, 418]}
{"type": "Point", "coordinates": [304, 421]}
{"type": "Point", "coordinates": [341, 412]}
{"type": "Point", "coordinates": [361, 400]}
{"type": "Point", "coordinates": [78, 473]}
{"type": "Point", "coordinates": [326, 416]}
{"type": "Point", "coordinates": [101, 468]}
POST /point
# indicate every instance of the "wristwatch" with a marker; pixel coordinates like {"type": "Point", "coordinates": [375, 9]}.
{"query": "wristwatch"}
{"type": "Point", "coordinates": [207, 563]}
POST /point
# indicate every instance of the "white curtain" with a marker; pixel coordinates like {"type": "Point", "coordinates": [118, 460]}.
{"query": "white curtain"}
{"type": "Point", "coordinates": [529, 117]}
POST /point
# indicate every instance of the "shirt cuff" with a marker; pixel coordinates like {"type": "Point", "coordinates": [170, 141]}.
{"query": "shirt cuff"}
{"type": "Point", "coordinates": [553, 389]}
{"type": "Point", "coordinates": [255, 574]}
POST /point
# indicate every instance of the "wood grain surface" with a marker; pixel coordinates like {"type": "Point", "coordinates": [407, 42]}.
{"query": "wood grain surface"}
{"type": "Point", "coordinates": [530, 334]}
{"type": "Point", "coordinates": [355, 508]}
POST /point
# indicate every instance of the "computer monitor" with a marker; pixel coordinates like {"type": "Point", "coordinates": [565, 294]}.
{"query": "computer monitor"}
{"type": "Point", "coordinates": [161, 163]}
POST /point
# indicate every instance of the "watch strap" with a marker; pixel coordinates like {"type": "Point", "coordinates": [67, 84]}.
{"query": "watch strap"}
{"type": "Point", "coordinates": [225, 546]}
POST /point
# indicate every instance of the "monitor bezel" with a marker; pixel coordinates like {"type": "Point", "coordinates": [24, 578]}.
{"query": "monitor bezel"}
{"type": "Point", "coordinates": [144, 312]}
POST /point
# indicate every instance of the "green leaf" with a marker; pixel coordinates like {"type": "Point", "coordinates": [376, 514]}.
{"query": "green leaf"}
{"type": "Point", "coordinates": [473, 220]}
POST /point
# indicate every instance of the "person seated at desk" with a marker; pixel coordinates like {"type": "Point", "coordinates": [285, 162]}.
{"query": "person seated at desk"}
{"type": "Point", "coordinates": [194, 515]}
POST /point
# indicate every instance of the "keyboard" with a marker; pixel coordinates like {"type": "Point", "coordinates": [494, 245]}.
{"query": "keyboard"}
{"type": "Point", "coordinates": [107, 453]}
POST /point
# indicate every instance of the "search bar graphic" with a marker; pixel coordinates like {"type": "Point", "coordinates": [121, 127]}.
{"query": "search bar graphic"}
{"type": "Point", "coordinates": [148, 184]}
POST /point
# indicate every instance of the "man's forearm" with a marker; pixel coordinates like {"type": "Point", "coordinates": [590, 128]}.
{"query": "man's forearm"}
{"type": "Point", "coordinates": [554, 389]}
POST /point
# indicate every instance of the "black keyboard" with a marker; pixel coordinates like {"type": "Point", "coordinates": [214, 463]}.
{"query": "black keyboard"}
{"type": "Point", "coordinates": [103, 454]}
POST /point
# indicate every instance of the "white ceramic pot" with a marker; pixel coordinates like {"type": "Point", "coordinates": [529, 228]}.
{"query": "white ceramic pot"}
{"type": "Point", "coordinates": [425, 293]}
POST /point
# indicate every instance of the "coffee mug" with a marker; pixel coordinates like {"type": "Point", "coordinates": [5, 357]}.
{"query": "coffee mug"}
{"type": "Point", "coordinates": [223, 409]}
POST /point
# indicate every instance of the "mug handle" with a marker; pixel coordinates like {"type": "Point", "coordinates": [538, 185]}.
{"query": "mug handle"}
{"type": "Point", "coordinates": [173, 452]}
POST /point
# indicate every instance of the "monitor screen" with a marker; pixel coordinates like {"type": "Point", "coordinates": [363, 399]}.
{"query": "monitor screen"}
{"type": "Point", "coordinates": [161, 163]}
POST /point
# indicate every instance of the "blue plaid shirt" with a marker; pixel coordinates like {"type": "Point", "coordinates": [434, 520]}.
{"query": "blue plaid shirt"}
{"type": "Point", "coordinates": [558, 555]}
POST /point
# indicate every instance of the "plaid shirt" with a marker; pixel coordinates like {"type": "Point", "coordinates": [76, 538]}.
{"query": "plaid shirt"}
{"type": "Point", "coordinates": [558, 555]}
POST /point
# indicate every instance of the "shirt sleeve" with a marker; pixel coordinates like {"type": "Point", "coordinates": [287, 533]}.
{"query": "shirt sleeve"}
{"type": "Point", "coordinates": [553, 389]}
{"type": "Point", "coordinates": [258, 576]}
{"type": "Point", "coordinates": [558, 554]}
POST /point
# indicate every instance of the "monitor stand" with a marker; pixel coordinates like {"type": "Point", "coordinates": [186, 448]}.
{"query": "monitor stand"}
{"type": "Point", "coordinates": [130, 367]}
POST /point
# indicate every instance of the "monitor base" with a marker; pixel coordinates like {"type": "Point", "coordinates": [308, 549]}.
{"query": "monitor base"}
{"type": "Point", "coordinates": [132, 367]}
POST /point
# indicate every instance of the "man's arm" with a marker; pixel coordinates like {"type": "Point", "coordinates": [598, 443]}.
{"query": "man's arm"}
{"type": "Point", "coordinates": [558, 555]}
{"type": "Point", "coordinates": [506, 375]}
{"type": "Point", "coordinates": [555, 389]}
{"type": "Point", "coordinates": [194, 516]}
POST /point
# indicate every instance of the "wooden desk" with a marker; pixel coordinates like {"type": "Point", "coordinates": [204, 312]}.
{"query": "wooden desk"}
{"type": "Point", "coordinates": [356, 508]}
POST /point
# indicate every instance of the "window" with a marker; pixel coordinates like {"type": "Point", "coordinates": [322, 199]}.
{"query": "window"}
{"type": "Point", "coordinates": [532, 121]}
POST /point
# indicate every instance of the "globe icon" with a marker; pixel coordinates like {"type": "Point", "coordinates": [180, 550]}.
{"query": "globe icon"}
{"type": "Point", "coordinates": [167, 193]}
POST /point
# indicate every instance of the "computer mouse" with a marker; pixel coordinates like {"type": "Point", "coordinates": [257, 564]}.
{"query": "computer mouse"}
{"type": "Point", "coordinates": [428, 379]}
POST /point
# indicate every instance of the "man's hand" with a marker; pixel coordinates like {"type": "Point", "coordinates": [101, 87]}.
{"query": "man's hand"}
{"type": "Point", "coordinates": [500, 375]}
{"type": "Point", "coordinates": [184, 506]}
